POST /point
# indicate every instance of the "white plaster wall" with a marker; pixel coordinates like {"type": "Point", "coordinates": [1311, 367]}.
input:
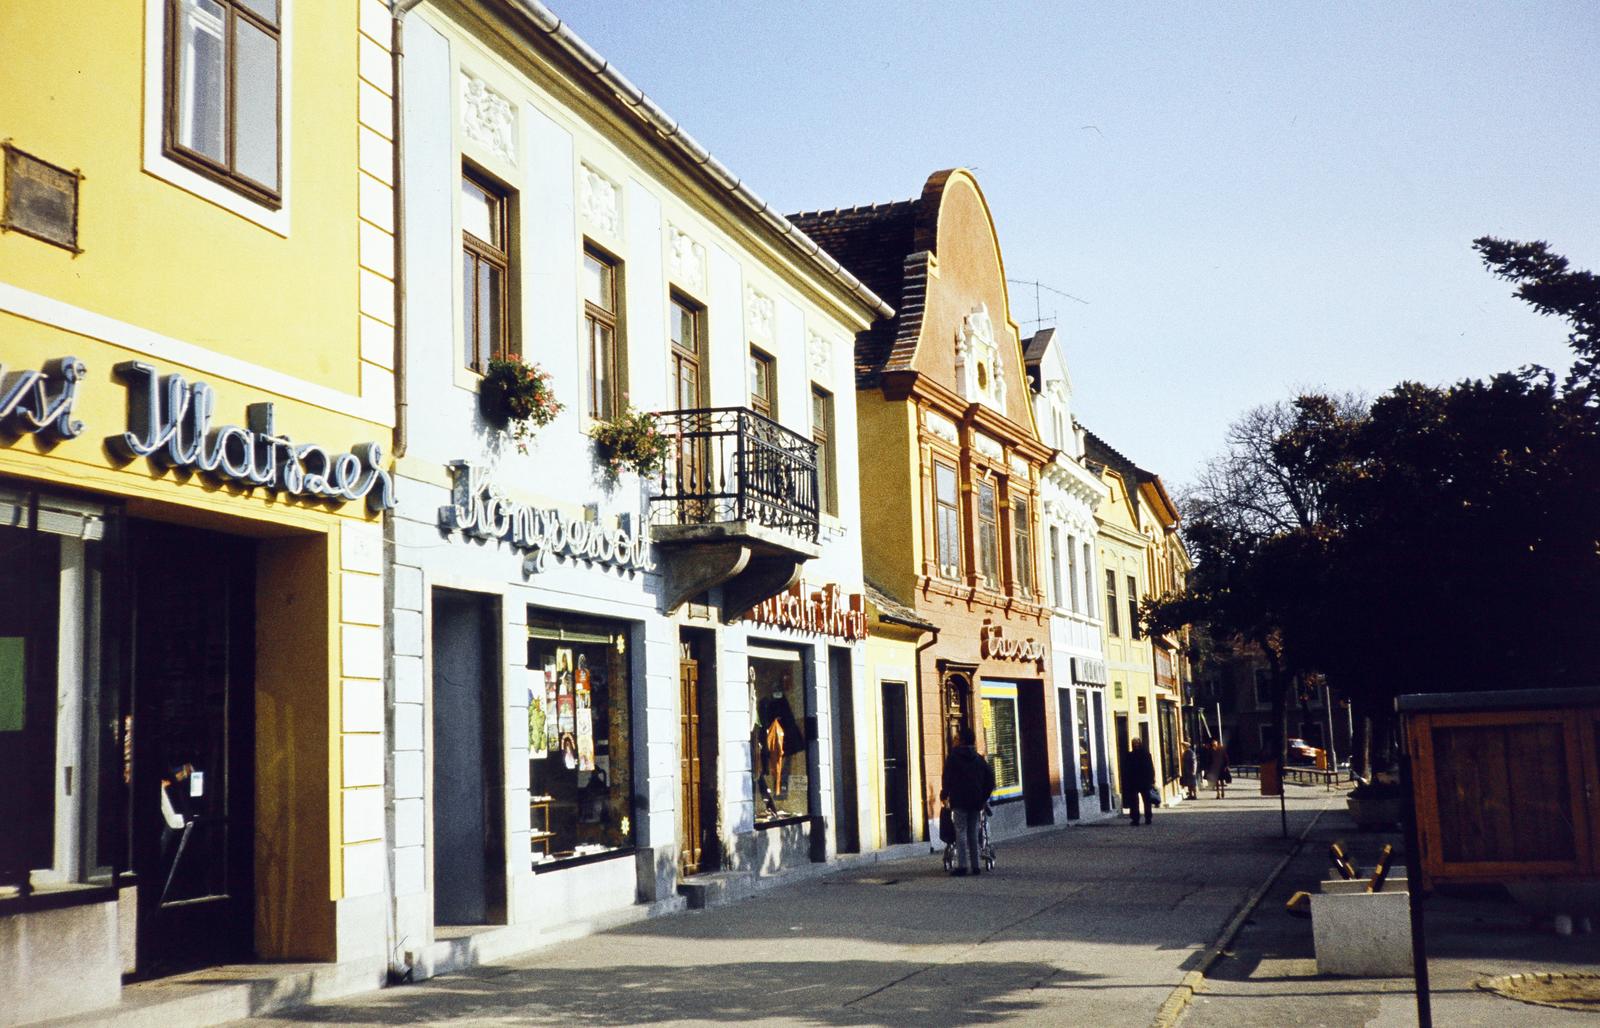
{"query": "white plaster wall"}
{"type": "Point", "coordinates": [553, 145]}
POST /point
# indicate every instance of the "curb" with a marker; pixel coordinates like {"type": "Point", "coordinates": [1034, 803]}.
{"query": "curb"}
{"type": "Point", "coordinates": [1184, 993]}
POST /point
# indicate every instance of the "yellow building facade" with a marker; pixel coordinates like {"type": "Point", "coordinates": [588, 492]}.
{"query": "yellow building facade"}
{"type": "Point", "coordinates": [196, 329]}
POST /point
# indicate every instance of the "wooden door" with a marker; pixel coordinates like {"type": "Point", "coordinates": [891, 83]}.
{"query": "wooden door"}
{"type": "Point", "coordinates": [896, 766]}
{"type": "Point", "coordinates": [689, 764]}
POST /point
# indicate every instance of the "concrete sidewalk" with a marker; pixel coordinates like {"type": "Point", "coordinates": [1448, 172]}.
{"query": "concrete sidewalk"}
{"type": "Point", "coordinates": [1267, 977]}
{"type": "Point", "coordinates": [1085, 925]}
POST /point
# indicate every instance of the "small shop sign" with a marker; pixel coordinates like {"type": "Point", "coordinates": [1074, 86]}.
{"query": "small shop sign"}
{"type": "Point", "coordinates": [996, 645]}
{"type": "Point", "coordinates": [169, 423]}
{"type": "Point", "coordinates": [1088, 671]}
{"type": "Point", "coordinates": [482, 511]}
{"type": "Point", "coordinates": [826, 611]}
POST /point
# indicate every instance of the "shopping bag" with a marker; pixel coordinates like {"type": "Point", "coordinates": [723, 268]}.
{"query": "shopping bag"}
{"type": "Point", "coordinates": [947, 825]}
{"type": "Point", "coordinates": [1154, 796]}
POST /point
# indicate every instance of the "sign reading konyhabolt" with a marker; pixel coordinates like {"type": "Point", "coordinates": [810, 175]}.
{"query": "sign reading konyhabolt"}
{"type": "Point", "coordinates": [40, 402]}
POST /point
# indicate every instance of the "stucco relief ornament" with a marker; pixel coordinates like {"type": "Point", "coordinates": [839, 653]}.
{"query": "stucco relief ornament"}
{"type": "Point", "coordinates": [601, 202]}
{"type": "Point", "coordinates": [820, 351]}
{"type": "Point", "coordinates": [758, 311]}
{"type": "Point", "coordinates": [688, 258]}
{"type": "Point", "coordinates": [488, 118]}
{"type": "Point", "coordinates": [977, 360]}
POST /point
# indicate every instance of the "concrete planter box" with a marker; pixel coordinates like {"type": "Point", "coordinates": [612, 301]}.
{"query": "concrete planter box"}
{"type": "Point", "coordinates": [1376, 814]}
{"type": "Point", "coordinates": [1362, 934]}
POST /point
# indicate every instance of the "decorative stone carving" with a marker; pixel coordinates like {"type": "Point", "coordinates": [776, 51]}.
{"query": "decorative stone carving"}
{"type": "Point", "coordinates": [820, 350]}
{"type": "Point", "coordinates": [989, 446]}
{"type": "Point", "coordinates": [1019, 467]}
{"type": "Point", "coordinates": [758, 311]}
{"type": "Point", "coordinates": [488, 118]}
{"type": "Point", "coordinates": [601, 202]}
{"type": "Point", "coordinates": [687, 257]}
{"type": "Point", "coordinates": [977, 360]}
{"type": "Point", "coordinates": [939, 425]}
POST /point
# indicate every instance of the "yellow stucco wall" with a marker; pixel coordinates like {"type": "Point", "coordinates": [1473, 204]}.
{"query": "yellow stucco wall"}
{"type": "Point", "coordinates": [1129, 669]}
{"type": "Point", "coordinates": [892, 657]}
{"type": "Point", "coordinates": [298, 313]}
{"type": "Point", "coordinates": [891, 516]}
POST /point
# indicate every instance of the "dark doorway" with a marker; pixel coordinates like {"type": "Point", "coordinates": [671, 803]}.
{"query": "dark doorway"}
{"type": "Point", "coordinates": [193, 746]}
{"type": "Point", "coordinates": [1037, 796]}
{"type": "Point", "coordinates": [896, 766]}
{"type": "Point", "coordinates": [1122, 746]}
{"type": "Point", "coordinates": [1102, 764]}
{"type": "Point", "coordinates": [469, 861]}
{"type": "Point", "coordinates": [1069, 763]}
{"type": "Point", "coordinates": [846, 805]}
{"type": "Point", "coordinates": [697, 753]}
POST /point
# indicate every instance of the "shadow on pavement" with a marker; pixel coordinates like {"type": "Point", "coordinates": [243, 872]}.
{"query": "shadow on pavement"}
{"type": "Point", "coordinates": [806, 991]}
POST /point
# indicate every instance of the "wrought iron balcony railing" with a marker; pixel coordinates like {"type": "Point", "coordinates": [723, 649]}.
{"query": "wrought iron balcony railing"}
{"type": "Point", "coordinates": [731, 464]}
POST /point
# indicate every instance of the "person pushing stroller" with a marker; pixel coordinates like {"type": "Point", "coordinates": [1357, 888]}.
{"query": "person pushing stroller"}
{"type": "Point", "coordinates": [967, 784]}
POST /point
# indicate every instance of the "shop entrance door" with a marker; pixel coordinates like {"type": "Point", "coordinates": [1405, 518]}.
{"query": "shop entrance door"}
{"type": "Point", "coordinates": [1038, 799]}
{"type": "Point", "coordinates": [469, 857]}
{"type": "Point", "coordinates": [1122, 747]}
{"type": "Point", "coordinates": [193, 746]}
{"type": "Point", "coordinates": [1102, 768]}
{"type": "Point", "coordinates": [1069, 761]}
{"type": "Point", "coordinates": [896, 769]}
{"type": "Point", "coordinates": [689, 762]}
{"type": "Point", "coordinates": [846, 808]}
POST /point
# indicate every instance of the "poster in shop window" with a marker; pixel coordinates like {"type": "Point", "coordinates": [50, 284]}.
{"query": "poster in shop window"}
{"type": "Point", "coordinates": [566, 714]}
{"type": "Point", "coordinates": [582, 681]}
{"type": "Point", "coordinates": [538, 718]}
{"type": "Point", "coordinates": [552, 734]}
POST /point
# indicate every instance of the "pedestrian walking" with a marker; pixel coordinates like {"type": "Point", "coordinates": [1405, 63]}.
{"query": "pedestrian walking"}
{"type": "Point", "coordinates": [1217, 771]}
{"type": "Point", "coordinates": [1138, 780]}
{"type": "Point", "coordinates": [1190, 771]}
{"type": "Point", "coordinates": [967, 784]}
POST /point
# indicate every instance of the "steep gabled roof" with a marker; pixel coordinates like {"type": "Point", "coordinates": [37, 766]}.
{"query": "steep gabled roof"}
{"type": "Point", "coordinates": [873, 242]}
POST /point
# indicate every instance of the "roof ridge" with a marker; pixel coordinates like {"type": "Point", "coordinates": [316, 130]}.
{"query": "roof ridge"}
{"type": "Point", "coordinates": [877, 205]}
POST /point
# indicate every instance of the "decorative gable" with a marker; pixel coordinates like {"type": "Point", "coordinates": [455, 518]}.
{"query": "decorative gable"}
{"type": "Point", "coordinates": [977, 361]}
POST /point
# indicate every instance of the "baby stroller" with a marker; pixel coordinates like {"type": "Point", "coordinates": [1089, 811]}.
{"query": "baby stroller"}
{"type": "Point", "coordinates": [947, 834]}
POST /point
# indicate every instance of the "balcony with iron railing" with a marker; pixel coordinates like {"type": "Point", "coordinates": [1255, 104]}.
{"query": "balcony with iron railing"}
{"type": "Point", "coordinates": [735, 506]}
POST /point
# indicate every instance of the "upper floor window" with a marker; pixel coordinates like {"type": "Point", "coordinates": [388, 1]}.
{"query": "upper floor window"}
{"type": "Point", "coordinates": [988, 535]}
{"type": "Point", "coordinates": [688, 383]}
{"type": "Point", "coordinates": [1022, 548]}
{"type": "Point", "coordinates": [600, 293]}
{"type": "Point", "coordinates": [1072, 574]}
{"type": "Point", "coordinates": [1088, 580]}
{"type": "Point", "coordinates": [947, 520]}
{"type": "Point", "coordinates": [822, 435]}
{"type": "Point", "coordinates": [485, 272]}
{"type": "Point", "coordinates": [1055, 567]}
{"type": "Point", "coordinates": [224, 93]}
{"type": "Point", "coordinates": [1263, 684]}
{"type": "Point", "coordinates": [763, 384]}
{"type": "Point", "coordinates": [1133, 607]}
{"type": "Point", "coordinates": [1112, 624]}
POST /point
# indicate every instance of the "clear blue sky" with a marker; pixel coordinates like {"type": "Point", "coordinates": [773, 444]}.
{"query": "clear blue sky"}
{"type": "Point", "coordinates": [1251, 198]}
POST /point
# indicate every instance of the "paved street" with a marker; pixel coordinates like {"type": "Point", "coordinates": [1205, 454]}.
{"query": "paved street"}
{"type": "Point", "coordinates": [1085, 925]}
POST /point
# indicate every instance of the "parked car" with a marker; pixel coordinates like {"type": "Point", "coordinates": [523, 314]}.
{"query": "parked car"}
{"type": "Point", "coordinates": [1302, 752]}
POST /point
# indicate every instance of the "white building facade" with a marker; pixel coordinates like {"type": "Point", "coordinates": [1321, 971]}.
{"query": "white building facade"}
{"type": "Point", "coordinates": [607, 684]}
{"type": "Point", "coordinates": [1069, 495]}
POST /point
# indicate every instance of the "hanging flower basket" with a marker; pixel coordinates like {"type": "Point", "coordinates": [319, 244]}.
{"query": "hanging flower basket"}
{"type": "Point", "coordinates": [517, 396]}
{"type": "Point", "coordinates": [631, 441]}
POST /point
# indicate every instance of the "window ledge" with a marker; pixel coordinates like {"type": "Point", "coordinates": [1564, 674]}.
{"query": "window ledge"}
{"type": "Point", "coordinates": [783, 822]}
{"type": "Point", "coordinates": [587, 858]}
{"type": "Point", "coordinates": [56, 897]}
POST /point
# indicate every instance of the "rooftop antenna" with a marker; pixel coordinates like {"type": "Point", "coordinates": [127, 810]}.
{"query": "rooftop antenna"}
{"type": "Point", "coordinates": [1038, 315]}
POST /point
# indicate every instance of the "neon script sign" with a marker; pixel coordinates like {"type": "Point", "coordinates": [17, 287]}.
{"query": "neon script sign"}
{"type": "Point", "coordinates": [826, 612]}
{"type": "Point", "coordinates": [26, 405]}
{"type": "Point", "coordinates": [999, 646]}
{"type": "Point", "coordinates": [482, 511]}
{"type": "Point", "coordinates": [169, 422]}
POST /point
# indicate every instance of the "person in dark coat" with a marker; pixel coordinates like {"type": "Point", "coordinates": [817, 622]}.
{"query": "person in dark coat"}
{"type": "Point", "coordinates": [967, 785]}
{"type": "Point", "coordinates": [1138, 779]}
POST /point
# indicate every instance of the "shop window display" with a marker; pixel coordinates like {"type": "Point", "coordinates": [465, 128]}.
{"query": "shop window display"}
{"type": "Point", "coordinates": [780, 760]}
{"type": "Point", "coordinates": [61, 753]}
{"type": "Point", "coordinates": [1000, 741]}
{"type": "Point", "coordinates": [579, 739]}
